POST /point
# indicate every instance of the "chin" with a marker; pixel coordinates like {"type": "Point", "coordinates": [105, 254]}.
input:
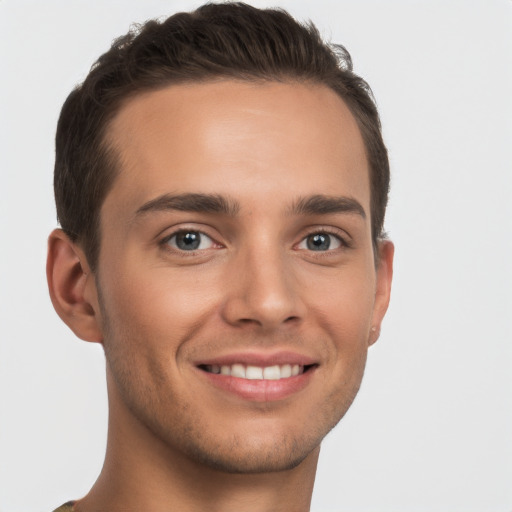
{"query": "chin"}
{"type": "Point", "coordinates": [251, 447]}
{"type": "Point", "coordinates": [254, 458]}
{"type": "Point", "coordinates": [264, 447]}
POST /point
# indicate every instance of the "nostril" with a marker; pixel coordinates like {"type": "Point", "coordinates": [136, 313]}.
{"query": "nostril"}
{"type": "Point", "coordinates": [246, 321]}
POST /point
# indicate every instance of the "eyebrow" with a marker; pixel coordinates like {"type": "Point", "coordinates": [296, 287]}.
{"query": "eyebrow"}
{"type": "Point", "coordinates": [214, 203]}
{"type": "Point", "coordinates": [323, 205]}
{"type": "Point", "coordinates": [201, 203]}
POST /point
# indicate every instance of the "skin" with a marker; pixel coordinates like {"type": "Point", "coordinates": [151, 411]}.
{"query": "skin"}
{"type": "Point", "coordinates": [254, 286]}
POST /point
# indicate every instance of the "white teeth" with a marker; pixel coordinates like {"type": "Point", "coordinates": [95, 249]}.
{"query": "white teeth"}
{"type": "Point", "coordinates": [241, 371]}
{"type": "Point", "coordinates": [273, 373]}
{"type": "Point", "coordinates": [254, 373]}
{"type": "Point", "coordinates": [238, 370]}
{"type": "Point", "coordinates": [286, 371]}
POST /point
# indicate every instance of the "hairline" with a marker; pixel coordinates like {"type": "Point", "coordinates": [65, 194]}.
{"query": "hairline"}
{"type": "Point", "coordinates": [111, 157]}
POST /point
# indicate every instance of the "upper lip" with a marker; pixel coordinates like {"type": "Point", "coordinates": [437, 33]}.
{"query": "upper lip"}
{"type": "Point", "coordinates": [259, 359]}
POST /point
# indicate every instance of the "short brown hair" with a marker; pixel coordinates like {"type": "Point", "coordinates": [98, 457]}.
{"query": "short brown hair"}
{"type": "Point", "coordinates": [230, 40]}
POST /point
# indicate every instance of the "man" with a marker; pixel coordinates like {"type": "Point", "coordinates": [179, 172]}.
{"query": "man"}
{"type": "Point", "coordinates": [221, 183]}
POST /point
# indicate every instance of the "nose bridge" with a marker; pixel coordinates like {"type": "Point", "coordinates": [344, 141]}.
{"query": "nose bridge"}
{"type": "Point", "coordinates": [262, 289]}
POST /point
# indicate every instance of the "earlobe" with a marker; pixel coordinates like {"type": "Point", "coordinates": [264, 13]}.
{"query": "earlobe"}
{"type": "Point", "coordinates": [72, 287]}
{"type": "Point", "coordinates": [382, 288]}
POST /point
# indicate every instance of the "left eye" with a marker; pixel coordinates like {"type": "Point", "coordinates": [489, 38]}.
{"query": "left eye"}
{"type": "Point", "coordinates": [190, 241]}
{"type": "Point", "coordinates": [320, 242]}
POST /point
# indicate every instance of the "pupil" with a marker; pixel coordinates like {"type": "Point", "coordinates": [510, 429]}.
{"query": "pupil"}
{"type": "Point", "coordinates": [319, 242]}
{"type": "Point", "coordinates": [188, 241]}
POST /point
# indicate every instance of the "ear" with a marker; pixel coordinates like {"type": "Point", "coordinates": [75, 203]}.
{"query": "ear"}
{"type": "Point", "coordinates": [72, 287]}
{"type": "Point", "coordinates": [383, 287]}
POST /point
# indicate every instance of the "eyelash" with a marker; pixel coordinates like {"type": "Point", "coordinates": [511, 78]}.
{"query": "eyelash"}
{"type": "Point", "coordinates": [164, 243]}
{"type": "Point", "coordinates": [344, 243]}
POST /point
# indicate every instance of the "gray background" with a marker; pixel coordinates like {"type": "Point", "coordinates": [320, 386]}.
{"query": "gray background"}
{"type": "Point", "coordinates": [431, 428]}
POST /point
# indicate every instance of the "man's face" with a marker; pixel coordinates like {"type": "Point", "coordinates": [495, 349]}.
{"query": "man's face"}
{"type": "Point", "coordinates": [236, 239]}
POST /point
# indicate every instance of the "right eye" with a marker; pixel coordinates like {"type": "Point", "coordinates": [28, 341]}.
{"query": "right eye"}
{"type": "Point", "coordinates": [321, 241]}
{"type": "Point", "coordinates": [189, 240]}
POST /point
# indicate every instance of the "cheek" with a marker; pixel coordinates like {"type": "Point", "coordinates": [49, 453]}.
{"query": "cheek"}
{"type": "Point", "coordinates": [343, 305]}
{"type": "Point", "coordinates": [344, 311]}
{"type": "Point", "coordinates": [156, 309]}
{"type": "Point", "coordinates": [148, 318]}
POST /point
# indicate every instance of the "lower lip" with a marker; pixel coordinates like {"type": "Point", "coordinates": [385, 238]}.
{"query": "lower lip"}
{"type": "Point", "coordinates": [260, 390]}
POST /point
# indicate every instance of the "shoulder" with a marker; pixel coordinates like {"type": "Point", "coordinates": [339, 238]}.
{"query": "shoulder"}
{"type": "Point", "coordinates": [67, 507]}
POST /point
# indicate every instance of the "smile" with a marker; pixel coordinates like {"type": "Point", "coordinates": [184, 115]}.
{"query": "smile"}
{"type": "Point", "coordinates": [249, 372]}
{"type": "Point", "coordinates": [259, 378]}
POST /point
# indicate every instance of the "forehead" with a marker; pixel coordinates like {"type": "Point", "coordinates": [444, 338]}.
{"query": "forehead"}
{"type": "Point", "coordinates": [240, 139]}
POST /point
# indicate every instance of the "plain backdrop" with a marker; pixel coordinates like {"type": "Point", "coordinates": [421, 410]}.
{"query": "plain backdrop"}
{"type": "Point", "coordinates": [431, 429]}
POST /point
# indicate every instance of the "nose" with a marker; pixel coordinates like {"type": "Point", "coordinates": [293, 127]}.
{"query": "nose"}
{"type": "Point", "coordinates": [262, 291]}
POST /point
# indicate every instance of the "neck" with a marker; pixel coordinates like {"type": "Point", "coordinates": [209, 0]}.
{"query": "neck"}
{"type": "Point", "coordinates": [141, 472]}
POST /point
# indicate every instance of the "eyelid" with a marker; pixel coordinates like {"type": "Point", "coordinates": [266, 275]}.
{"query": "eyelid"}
{"type": "Point", "coordinates": [164, 241]}
{"type": "Point", "coordinates": [341, 235]}
{"type": "Point", "coordinates": [344, 238]}
{"type": "Point", "coordinates": [203, 238]}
